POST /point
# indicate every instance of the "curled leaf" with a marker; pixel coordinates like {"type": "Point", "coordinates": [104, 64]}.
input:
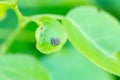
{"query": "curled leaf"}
{"type": "Point", "coordinates": [50, 36]}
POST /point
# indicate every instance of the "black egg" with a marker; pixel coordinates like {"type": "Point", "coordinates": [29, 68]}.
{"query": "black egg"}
{"type": "Point", "coordinates": [55, 41]}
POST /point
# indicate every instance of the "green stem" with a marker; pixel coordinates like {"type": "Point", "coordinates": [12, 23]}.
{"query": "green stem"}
{"type": "Point", "coordinates": [60, 17]}
{"type": "Point", "coordinates": [16, 2]}
{"type": "Point", "coordinates": [35, 18]}
{"type": "Point", "coordinates": [22, 36]}
{"type": "Point", "coordinates": [5, 46]}
{"type": "Point", "coordinates": [7, 43]}
{"type": "Point", "coordinates": [18, 13]}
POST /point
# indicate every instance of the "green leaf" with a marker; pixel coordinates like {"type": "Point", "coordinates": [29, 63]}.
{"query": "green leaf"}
{"type": "Point", "coordinates": [95, 33]}
{"type": "Point", "coordinates": [21, 67]}
{"type": "Point", "coordinates": [3, 9]}
{"type": "Point", "coordinates": [69, 64]}
{"type": "Point", "coordinates": [50, 36]}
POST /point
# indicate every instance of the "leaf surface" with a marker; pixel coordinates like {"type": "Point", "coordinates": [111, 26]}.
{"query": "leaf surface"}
{"type": "Point", "coordinates": [69, 64]}
{"type": "Point", "coordinates": [95, 33]}
{"type": "Point", "coordinates": [21, 67]}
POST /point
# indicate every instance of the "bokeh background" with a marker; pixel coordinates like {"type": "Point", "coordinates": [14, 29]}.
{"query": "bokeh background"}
{"type": "Point", "coordinates": [68, 63]}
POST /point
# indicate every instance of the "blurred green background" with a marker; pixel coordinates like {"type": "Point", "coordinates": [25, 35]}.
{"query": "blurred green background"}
{"type": "Point", "coordinates": [68, 63]}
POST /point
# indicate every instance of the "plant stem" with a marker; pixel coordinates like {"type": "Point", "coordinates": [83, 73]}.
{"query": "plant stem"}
{"type": "Point", "coordinates": [16, 2]}
{"type": "Point", "coordinates": [18, 13]}
{"type": "Point", "coordinates": [60, 17]}
{"type": "Point", "coordinates": [22, 36]}
{"type": "Point", "coordinates": [7, 43]}
{"type": "Point", "coordinates": [35, 18]}
{"type": "Point", "coordinates": [5, 46]}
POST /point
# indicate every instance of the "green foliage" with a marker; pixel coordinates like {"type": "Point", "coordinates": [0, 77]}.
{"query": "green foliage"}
{"type": "Point", "coordinates": [70, 64]}
{"type": "Point", "coordinates": [92, 31]}
{"type": "Point", "coordinates": [50, 36]}
{"type": "Point", "coordinates": [21, 67]}
{"type": "Point", "coordinates": [96, 36]}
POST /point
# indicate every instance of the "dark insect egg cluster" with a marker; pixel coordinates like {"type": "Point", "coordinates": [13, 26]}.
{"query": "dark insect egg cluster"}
{"type": "Point", "coordinates": [55, 41]}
